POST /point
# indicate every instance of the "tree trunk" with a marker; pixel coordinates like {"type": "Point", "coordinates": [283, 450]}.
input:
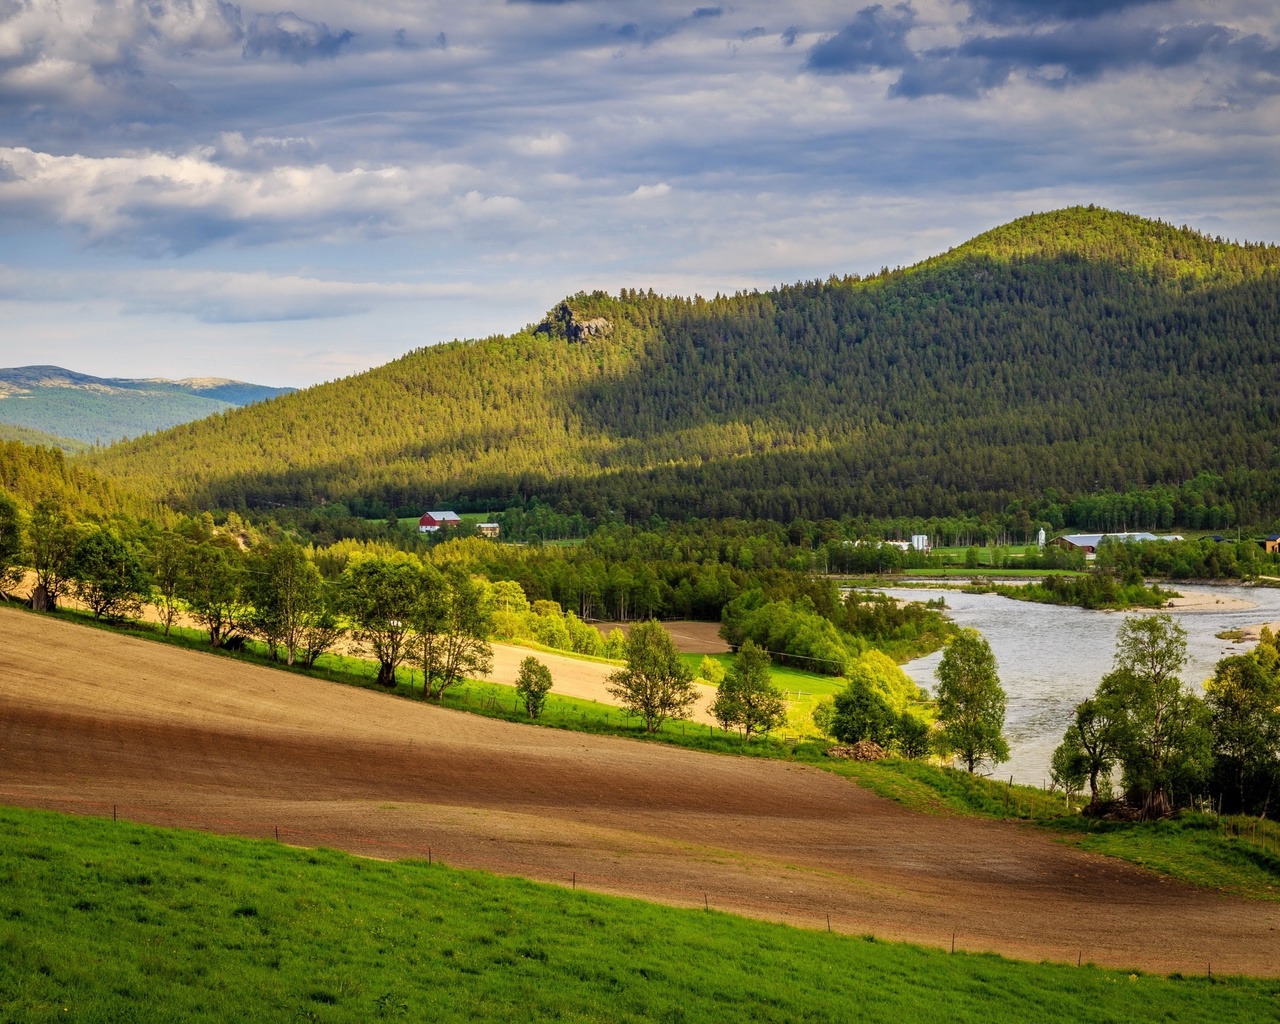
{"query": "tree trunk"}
{"type": "Point", "coordinates": [387, 674]}
{"type": "Point", "coordinates": [41, 601]}
{"type": "Point", "coordinates": [1156, 805]}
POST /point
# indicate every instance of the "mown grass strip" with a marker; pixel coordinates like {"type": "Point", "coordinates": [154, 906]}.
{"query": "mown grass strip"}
{"type": "Point", "coordinates": [105, 922]}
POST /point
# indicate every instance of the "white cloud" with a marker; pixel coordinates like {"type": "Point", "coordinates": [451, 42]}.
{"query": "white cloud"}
{"type": "Point", "coordinates": [183, 202]}
{"type": "Point", "coordinates": [546, 144]}
{"type": "Point", "coordinates": [651, 191]}
{"type": "Point", "coordinates": [212, 296]}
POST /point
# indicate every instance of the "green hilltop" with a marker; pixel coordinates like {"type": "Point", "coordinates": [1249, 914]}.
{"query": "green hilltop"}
{"type": "Point", "coordinates": [1068, 352]}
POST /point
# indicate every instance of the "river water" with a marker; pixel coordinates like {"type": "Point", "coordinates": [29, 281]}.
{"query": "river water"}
{"type": "Point", "coordinates": [1050, 657]}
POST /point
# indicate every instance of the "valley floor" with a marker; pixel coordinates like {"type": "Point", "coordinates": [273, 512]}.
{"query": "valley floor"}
{"type": "Point", "coordinates": [90, 719]}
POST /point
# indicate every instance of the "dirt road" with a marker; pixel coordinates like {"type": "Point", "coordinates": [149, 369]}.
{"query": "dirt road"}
{"type": "Point", "coordinates": [90, 718]}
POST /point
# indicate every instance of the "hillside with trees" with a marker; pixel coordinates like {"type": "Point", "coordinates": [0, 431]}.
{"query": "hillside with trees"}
{"type": "Point", "coordinates": [1062, 357]}
{"type": "Point", "coordinates": [76, 407]}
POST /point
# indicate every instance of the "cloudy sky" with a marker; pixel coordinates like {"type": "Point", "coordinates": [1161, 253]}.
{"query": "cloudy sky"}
{"type": "Point", "coordinates": [195, 187]}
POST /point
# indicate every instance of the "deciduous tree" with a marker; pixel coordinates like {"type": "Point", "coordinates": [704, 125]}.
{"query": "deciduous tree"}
{"type": "Point", "coordinates": [50, 539]}
{"type": "Point", "coordinates": [11, 571]}
{"type": "Point", "coordinates": [971, 703]}
{"type": "Point", "coordinates": [860, 713]}
{"type": "Point", "coordinates": [466, 650]}
{"type": "Point", "coordinates": [107, 576]}
{"type": "Point", "coordinates": [286, 594]}
{"type": "Point", "coordinates": [1165, 746]}
{"type": "Point", "coordinates": [212, 589]}
{"type": "Point", "coordinates": [532, 685]}
{"type": "Point", "coordinates": [1244, 709]}
{"type": "Point", "coordinates": [381, 597]}
{"type": "Point", "coordinates": [168, 554]}
{"type": "Point", "coordinates": [656, 684]}
{"type": "Point", "coordinates": [746, 698]}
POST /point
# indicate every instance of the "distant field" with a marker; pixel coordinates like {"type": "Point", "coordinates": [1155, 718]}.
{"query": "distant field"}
{"type": "Point", "coordinates": [104, 921]}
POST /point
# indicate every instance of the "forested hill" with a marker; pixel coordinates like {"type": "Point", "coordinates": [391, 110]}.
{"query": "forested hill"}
{"type": "Point", "coordinates": [75, 407]}
{"type": "Point", "coordinates": [1076, 350]}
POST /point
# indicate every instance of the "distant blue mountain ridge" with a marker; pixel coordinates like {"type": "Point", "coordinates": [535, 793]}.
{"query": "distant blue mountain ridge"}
{"type": "Point", "coordinates": [76, 407]}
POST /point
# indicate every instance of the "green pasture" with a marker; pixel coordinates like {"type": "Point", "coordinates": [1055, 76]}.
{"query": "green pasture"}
{"type": "Point", "coordinates": [105, 921]}
{"type": "Point", "coordinates": [802, 690]}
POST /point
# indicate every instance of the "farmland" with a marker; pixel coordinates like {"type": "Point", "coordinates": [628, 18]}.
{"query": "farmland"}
{"type": "Point", "coordinates": [103, 921]}
{"type": "Point", "coordinates": [93, 719]}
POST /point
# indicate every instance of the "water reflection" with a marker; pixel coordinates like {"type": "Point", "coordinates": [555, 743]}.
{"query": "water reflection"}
{"type": "Point", "coordinates": [1050, 658]}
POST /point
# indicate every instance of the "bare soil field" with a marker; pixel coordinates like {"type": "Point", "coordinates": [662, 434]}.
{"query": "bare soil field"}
{"type": "Point", "coordinates": [91, 719]}
{"type": "Point", "coordinates": [690, 637]}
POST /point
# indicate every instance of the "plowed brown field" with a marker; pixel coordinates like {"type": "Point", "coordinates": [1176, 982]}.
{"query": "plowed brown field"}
{"type": "Point", "coordinates": [90, 718]}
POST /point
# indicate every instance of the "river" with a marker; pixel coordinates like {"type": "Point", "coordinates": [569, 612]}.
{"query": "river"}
{"type": "Point", "coordinates": [1050, 657]}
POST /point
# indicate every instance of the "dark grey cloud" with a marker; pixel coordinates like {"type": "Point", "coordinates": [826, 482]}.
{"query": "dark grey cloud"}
{"type": "Point", "coordinates": [293, 38]}
{"type": "Point", "coordinates": [789, 35]}
{"type": "Point", "coordinates": [876, 38]}
{"type": "Point", "coordinates": [1065, 54]}
{"type": "Point", "coordinates": [1013, 12]}
{"type": "Point", "coordinates": [708, 12]}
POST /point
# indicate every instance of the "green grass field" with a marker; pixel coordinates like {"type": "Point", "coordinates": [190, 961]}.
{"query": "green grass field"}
{"type": "Point", "coordinates": [109, 922]}
{"type": "Point", "coordinates": [802, 689]}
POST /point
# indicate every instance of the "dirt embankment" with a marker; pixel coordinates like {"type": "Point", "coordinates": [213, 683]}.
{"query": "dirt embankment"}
{"type": "Point", "coordinates": [90, 718]}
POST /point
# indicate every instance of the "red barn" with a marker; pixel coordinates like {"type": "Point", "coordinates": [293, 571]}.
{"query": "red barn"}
{"type": "Point", "coordinates": [432, 521]}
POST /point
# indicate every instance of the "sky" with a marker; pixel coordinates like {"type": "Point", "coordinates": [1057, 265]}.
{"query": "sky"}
{"type": "Point", "coordinates": [200, 188]}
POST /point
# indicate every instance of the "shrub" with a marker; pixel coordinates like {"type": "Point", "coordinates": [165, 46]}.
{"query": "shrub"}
{"type": "Point", "coordinates": [532, 684]}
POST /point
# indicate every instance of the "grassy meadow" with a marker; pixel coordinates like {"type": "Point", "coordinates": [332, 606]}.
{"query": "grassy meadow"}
{"type": "Point", "coordinates": [105, 921]}
{"type": "Point", "coordinates": [802, 690]}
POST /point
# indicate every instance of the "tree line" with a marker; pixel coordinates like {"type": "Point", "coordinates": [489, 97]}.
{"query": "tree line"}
{"type": "Point", "coordinates": [1171, 747]}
